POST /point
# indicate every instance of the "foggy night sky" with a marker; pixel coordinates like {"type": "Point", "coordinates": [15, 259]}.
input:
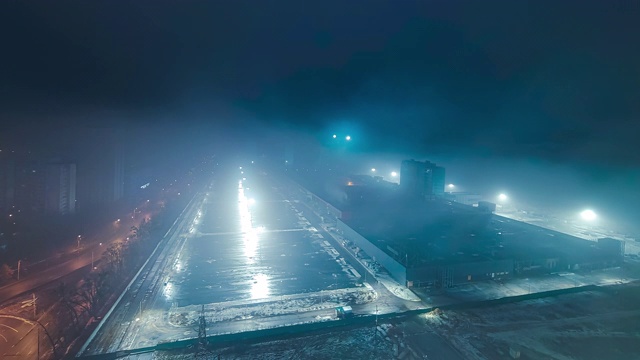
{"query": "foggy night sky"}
{"type": "Point", "coordinates": [551, 84]}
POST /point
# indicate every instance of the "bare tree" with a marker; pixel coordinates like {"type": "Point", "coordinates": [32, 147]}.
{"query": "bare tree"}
{"type": "Point", "coordinates": [6, 273]}
{"type": "Point", "coordinates": [91, 292]}
{"type": "Point", "coordinates": [65, 295]}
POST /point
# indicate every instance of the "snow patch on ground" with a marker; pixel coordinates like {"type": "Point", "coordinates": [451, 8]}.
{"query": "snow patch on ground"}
{"type": "Point", "coordinates": [396, 289]}
{"type": "Point", "coordinates": [247, 309]}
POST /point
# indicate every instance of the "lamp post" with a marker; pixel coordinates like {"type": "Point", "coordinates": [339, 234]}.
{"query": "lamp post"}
{"type": "Point", "coordinates": [588, 215]}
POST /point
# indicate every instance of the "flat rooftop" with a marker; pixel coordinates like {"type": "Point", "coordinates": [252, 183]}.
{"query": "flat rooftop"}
{"type": "Point", "coordinates": [438, 231]}
{"type": "Point", "coordinates": [442, 231]}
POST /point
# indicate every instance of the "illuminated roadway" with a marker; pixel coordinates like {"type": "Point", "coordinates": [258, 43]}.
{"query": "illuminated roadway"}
{"type": "Point", "coordinates": [64, 264]}
{"type": "Point", "coordinates": [18, 337]}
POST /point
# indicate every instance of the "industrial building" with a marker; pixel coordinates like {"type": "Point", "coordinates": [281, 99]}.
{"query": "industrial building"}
{"type": "Point", "coordinates": [443, 244]}
{"type": "Point", "coordinates": [433, 241]}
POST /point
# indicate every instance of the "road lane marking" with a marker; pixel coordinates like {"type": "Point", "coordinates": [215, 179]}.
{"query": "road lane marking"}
{"type": "Point", "coordinates": [5, 325]}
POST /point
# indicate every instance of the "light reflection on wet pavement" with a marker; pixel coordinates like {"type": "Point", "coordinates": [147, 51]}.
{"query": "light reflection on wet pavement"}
{"type": "Point", "coordinates": [251, 244]}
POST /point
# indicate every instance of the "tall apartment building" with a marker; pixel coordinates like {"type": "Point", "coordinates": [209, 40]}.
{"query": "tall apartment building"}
{"type": "Point", "coordinates": [60, 188]}
{"type": "Point", "coordinates": [36, 188]}
{"type": "Point", "coordinates": [6, 184]}
{"type": "Point", "coordinates": [100, 170]}
{"type": "Point", "coordinates": [422, 178]}
{"type": "Point", "coordinates": [29, 190]}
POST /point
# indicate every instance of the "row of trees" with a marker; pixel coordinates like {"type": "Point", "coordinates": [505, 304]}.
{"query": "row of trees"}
{"type": "Point", "coordinates": [115, 267]}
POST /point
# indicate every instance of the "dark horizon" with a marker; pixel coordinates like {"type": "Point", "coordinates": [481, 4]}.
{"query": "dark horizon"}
{"type": "Point", "coordinates": [542, 94]}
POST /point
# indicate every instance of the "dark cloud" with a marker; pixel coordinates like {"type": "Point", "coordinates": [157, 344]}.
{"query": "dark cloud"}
{"type": "Point", "coordinates": [551, 80]}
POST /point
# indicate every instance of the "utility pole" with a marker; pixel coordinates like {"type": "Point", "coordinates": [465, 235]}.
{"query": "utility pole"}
{"type": "Point", "coordinates": [375, 334]}
{"type": "Point", "coordinates": [91, 260]}
{"type": "Point", "coordinates": [202, 337]}
{"type": "Point", "coordinates": [19, 261]}
{"type": "Point", "coordinates": [376, 316]}
{"type": "Point", "coordinates": [35, 317]}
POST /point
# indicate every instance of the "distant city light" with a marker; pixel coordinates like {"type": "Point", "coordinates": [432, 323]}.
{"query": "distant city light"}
{"type": "Point", "coordinates": [335, 136]}
{"type": "Point", "coordinates": [502, 197]}
{"type": "Point", "coordinates": [348, 137]}
{"type": "Point", "coordinates": [394, 174]}
{"type": "Point", "coordinates": [588, 215]}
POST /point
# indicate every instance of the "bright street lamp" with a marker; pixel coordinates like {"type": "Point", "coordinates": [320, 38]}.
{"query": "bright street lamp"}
{"type": "Point", "coordinates": [335, 136]}
{"type": "Point", "coordinates": [394, 174]}
{"type": "Point", "coordinates": [588, 215]}
{"type": "Point", "coordinates": [451, 186]}
{"type": "Point", "coordinates": [373, 169]}
{"type": "Point", "coordinates": [502, 197]}
{"type": "Point", "coordinates": [348, 137]}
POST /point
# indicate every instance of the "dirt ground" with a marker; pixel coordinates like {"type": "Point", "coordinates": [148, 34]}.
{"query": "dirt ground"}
{"type": "Point", "coordinates": [408, 339]}
{"type": "Point", "coordinates": [591, 325]}
{"type": "Point", "coordinates": [602, 324]}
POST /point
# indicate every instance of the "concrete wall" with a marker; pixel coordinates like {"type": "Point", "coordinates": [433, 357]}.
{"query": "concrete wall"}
{"type": "Point", "coordinates": [395, 269]}
{"type": "Point", "coordinates": [332, 210]}
{"type": "Point", "coordinates": [459, 273]}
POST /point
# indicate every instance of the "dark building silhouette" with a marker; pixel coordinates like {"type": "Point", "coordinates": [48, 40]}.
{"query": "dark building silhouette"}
{"type": "Point", "coordinates": [60, 188]}
{"type": "Point", "coordinates": [29, 191]}
{"type": "Point", "coordinates": [7, 180]}
{"type": "Point", "coordinates": [101, 170]}
{"type": "Point", "coordinates": [421, 179]}
{"type": "Point", "coordinates": [36, 188]}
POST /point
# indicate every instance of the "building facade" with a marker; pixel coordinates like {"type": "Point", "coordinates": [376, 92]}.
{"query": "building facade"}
{"type": "Point", "coordinates": [101, 171]}
{"type": "Point", "coordinates": [60, 188]}
{"type": "Point", "coordinates": [422, 178]}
